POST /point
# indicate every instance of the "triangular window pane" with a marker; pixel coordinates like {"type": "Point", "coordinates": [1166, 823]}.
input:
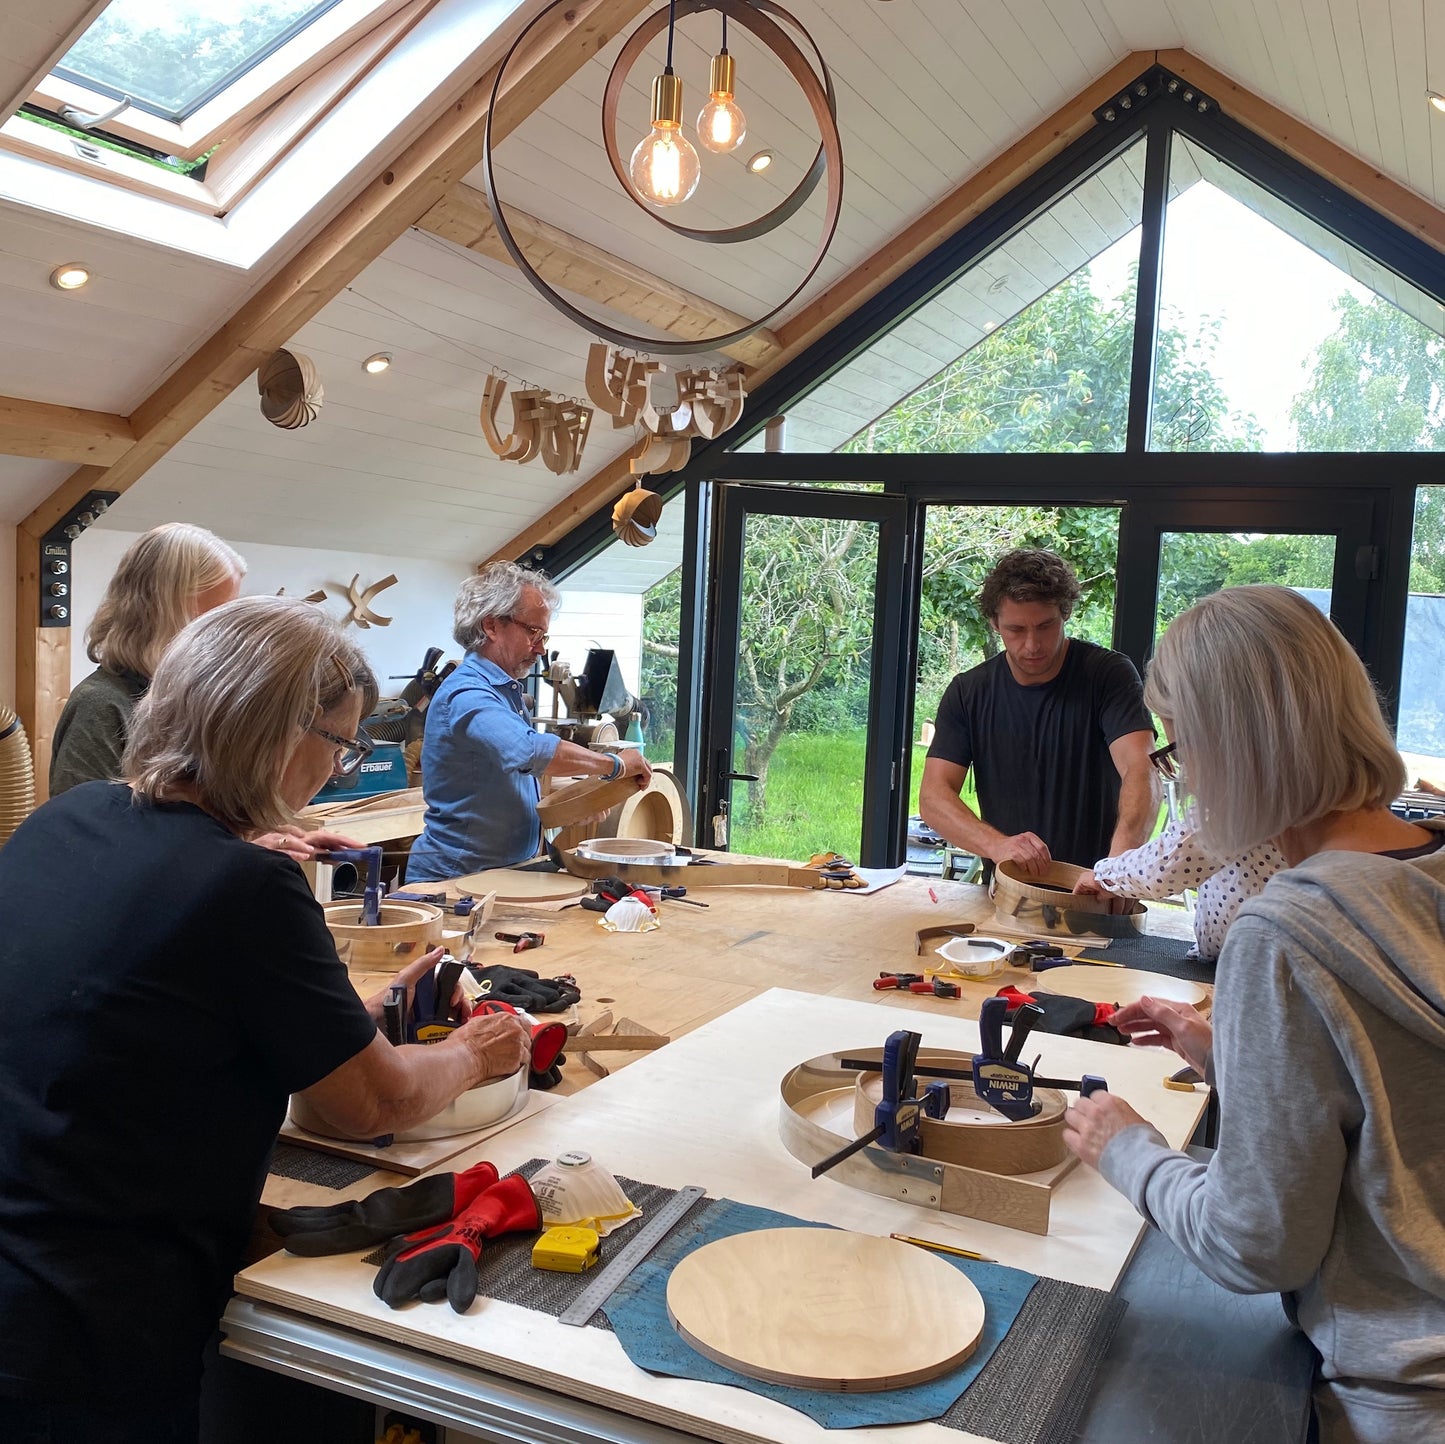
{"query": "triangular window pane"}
{"type": "Point", "coordinates": [1029, 350]}
{"type": "Point", "coordinates": [1300, 342]}
{"type": "Point", "coordinates": [171, 56]}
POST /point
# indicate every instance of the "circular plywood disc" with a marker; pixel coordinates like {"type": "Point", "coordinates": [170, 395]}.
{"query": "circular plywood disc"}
{"type": "Point", "coordinates": [512, 885]}
{"type": "Point", "coordinates": [1117, 985]}
{"type": "Point", "coordinates": [822, 1308]}
{"type": "Point", "coordinates": [627, 849]}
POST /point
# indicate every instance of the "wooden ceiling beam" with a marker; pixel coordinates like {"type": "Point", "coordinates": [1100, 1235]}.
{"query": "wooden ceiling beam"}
{"type": "Point", "coordinates": [819, 317]}
{"type": "Point", "coordinates": [394, 201]}
{"type": "Point", "coordinates": [62, 23]}
{"type": "Point", "coordinates": [572, 264]}
{"type": "Point", "coordinates": [62, 433]}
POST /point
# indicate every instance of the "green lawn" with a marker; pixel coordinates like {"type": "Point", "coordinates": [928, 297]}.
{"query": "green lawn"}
{"type": "Point", "coordinates": [815, 798]}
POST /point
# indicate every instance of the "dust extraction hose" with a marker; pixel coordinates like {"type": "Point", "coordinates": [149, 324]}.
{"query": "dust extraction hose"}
{"type": "Point", "coordinates": [17, 774]}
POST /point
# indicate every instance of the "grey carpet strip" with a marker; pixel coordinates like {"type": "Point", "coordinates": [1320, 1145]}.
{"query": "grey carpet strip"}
{"type": "Point", "coordinates": [326, 1170]}
{"type": "Point", "coordinates": [1032, 1391]}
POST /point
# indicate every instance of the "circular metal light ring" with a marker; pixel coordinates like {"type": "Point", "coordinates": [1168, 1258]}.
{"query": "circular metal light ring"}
{"type": "Point", "coordinates": [832, 151]}
{"type": "Point", "coordinates": [747, 16]}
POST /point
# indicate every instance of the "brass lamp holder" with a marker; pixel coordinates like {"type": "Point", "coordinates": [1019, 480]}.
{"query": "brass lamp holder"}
{"type": "Point", "coordinates": [817, 89]}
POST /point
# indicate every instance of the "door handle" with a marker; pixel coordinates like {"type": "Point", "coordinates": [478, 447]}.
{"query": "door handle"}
{"type": "Point", "coordinates": [739, 777]}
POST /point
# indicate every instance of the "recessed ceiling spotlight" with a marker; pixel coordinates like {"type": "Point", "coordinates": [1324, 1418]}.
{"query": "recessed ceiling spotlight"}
{"type": "Point", "coordinates": [375, 365]}
{"type": "Point", "coordinates": [1436, 99]}
{"type": "Point", "coordinates": [69, 277]}
{"type": "Point", "coordinates": [1001, 284]}
{"type": "Point", "coordinates": [990, 325]}
{"type": "Point", "coordinates": [760, 162]}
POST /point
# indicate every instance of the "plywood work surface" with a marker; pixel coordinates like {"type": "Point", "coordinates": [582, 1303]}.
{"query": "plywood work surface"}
{"type": "Point", "coordinates": [705, 1110]}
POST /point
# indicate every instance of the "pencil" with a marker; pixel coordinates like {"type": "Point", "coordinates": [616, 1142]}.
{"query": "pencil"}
{"type": "Point", "coordinates": [948, 1248]}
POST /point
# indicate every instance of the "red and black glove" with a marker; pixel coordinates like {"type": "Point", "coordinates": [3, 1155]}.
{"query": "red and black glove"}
{"type": "Point", "coordinates": [443, 1263]}
{"type": "Point", "coordinates": [1071, 1017]}
{"type": "Point", "coordinates": [380, 1216]}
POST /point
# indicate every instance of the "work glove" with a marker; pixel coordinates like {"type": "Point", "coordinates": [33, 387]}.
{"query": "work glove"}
{"type": "Point", "coordinates": [523, 989]}
{"type": "Point", "coordinates": [443, 1263]}
{"type": "Point", "coordinates": [1068, 1017]}
{"type": "Point", "coordinates": [380, 1216]}
{"type": "Point", "coordinates": [548, 1040]}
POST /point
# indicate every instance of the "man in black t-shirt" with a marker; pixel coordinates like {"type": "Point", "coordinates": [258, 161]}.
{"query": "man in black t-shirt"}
{"type": "Point", "coordinates": [1055, 730]}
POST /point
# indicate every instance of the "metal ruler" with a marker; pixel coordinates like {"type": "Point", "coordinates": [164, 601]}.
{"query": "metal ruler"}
{"type": "Point", "coordinates": [651, 1233]}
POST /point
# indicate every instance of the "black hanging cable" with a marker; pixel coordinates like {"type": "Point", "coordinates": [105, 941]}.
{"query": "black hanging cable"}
{"type": "Point", "coordinates": [725, 33]}
{"type": "Point", "coordinates": [671, 26]}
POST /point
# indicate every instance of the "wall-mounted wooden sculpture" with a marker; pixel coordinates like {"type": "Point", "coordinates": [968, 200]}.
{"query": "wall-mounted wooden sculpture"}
{"type": "Point", "coordinates": [361, 612]}
{"type": "Point", "coordinates": [316, 596]}
{"type": "Point", "coordinates": [291, 390]}
{"type": "Point", "coordinates": [552, 427]}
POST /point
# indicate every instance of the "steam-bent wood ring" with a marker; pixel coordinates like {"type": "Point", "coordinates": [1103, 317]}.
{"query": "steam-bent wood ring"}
{"type": "Point", "coordinates": [1049, 903]}
{"type": "Point", "coordinates": [988, 1140]}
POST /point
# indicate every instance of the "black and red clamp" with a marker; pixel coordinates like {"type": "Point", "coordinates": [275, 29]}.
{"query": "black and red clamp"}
{"type": "Point", "coordinates": [917, 983]}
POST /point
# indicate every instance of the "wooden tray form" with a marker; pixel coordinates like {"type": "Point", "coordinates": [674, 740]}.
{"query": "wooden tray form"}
{"type": "Point", "coordinates": [974, 1134]}
{"type": "Point", "coordinates": [727, 874]}
{"type": "Point", "coordinates": [578, 800]}
{"type": "Point", "coordinates": [822, 1308]}
{"type": "Point", "coordinates": [405, 932]}
{"type": "Point", "coordinates": [816, 1120]}
{"type": "Point", "coordinates": [1049, 904]}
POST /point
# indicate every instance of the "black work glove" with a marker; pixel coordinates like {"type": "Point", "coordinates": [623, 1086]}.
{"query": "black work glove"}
{"type": "Point", "coordinates": [523, 989]}
{"type": "Point", "coordinates": [1074, 1018]}
{"type": "Point", "coordinates": [365, 1222]}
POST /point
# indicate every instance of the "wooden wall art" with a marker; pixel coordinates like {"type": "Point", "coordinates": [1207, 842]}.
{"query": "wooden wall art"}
{"type": "Point", "coordinates": [361, 612]}
{"type": "Point", "coordinates": [317, 596]}
{"type": "Point", "coordinates": [709, 400]}
{"type": "Point", "coordinates": [552, 427]}
{"type": "Point", "coordinates": [291, 390]}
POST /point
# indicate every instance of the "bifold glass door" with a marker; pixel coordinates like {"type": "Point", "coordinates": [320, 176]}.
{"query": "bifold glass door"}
{"type": "Point", "coordinates": [804, 740]}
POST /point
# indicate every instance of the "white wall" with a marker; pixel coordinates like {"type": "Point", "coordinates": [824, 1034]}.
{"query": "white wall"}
{"type": "Point", "coordinates": [420, 604]}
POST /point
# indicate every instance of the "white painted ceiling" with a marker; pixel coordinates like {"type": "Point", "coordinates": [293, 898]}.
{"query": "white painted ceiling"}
{"type": "Point", "coordinates": [929, 91]}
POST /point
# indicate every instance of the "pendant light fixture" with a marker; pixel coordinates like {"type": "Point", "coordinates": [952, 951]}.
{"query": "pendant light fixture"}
{"type": "Point", "coordinates": [721, 124]}
{"type": "Point", "coordinates": [664, 167]}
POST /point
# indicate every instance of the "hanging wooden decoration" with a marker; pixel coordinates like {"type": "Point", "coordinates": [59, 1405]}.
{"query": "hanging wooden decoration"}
{"type": "Point", "coordinates": [543, 424]}
{"type": "Point", "coordinates": [635, 516]}
{"type": "Point", "coordinates": [361, 612]}
{"type": "Point", "coordinates": [709, 400]}
{"type": "Point", "coordinates": [291, 390]}
{"type": "Point", "coordinates": [618, 384]}
{"type": "Point", "coordinates": [317, 596]}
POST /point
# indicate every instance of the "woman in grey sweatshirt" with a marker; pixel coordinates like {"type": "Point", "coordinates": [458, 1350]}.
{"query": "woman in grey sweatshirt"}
{"type": "Point", "coordinates": [1328, 1038]}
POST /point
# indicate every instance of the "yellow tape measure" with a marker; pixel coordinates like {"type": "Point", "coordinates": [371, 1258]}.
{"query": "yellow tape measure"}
{"type": "Point", "coordinates": [566, 1250]}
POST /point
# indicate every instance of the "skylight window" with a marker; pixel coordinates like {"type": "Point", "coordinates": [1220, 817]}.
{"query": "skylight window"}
{"type": "Point", "coordinates": [172, 56]}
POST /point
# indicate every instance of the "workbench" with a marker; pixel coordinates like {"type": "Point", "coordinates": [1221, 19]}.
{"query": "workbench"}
{"type": "Point", "coordinates": [750, 986]}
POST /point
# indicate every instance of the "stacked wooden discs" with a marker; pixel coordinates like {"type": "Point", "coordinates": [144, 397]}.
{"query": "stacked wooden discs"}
{"type": "Point", "coordinates": [291, 390]}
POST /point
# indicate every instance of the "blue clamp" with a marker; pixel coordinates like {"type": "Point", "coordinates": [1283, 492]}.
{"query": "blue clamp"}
{"type": "Point", "coordinates": [896, 1117]}
{"type": "Point", "coordinates": [998, 1077]}
{"type": "Point", "coordinates": [368, 858]}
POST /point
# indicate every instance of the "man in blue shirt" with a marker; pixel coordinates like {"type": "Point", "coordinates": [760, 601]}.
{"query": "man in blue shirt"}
{"type": "Point", "coordinates": [482, 755]}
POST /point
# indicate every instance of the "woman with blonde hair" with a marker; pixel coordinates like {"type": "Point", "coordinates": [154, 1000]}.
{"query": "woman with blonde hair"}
{"type": "Point", "coordinates": [1328, 1038]}
{"type": "Point", "coordinates": [166, 578]}
{"type": "Point", "coordinates": [160, 1012]}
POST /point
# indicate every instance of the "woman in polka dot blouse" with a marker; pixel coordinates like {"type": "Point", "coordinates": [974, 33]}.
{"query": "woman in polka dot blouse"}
{"type": "Point", "coordinates": [1176, 860]}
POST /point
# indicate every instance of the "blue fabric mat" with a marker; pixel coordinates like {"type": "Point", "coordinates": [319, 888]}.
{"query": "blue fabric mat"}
{"type": "Point", "coordinates": [638, 1314]}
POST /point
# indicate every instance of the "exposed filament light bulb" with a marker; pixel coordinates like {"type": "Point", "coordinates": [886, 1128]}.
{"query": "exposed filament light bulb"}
{"type": "Point", "coordinates": [664, 167]}
{"type": "Point", "coordinates": [721, 124]}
